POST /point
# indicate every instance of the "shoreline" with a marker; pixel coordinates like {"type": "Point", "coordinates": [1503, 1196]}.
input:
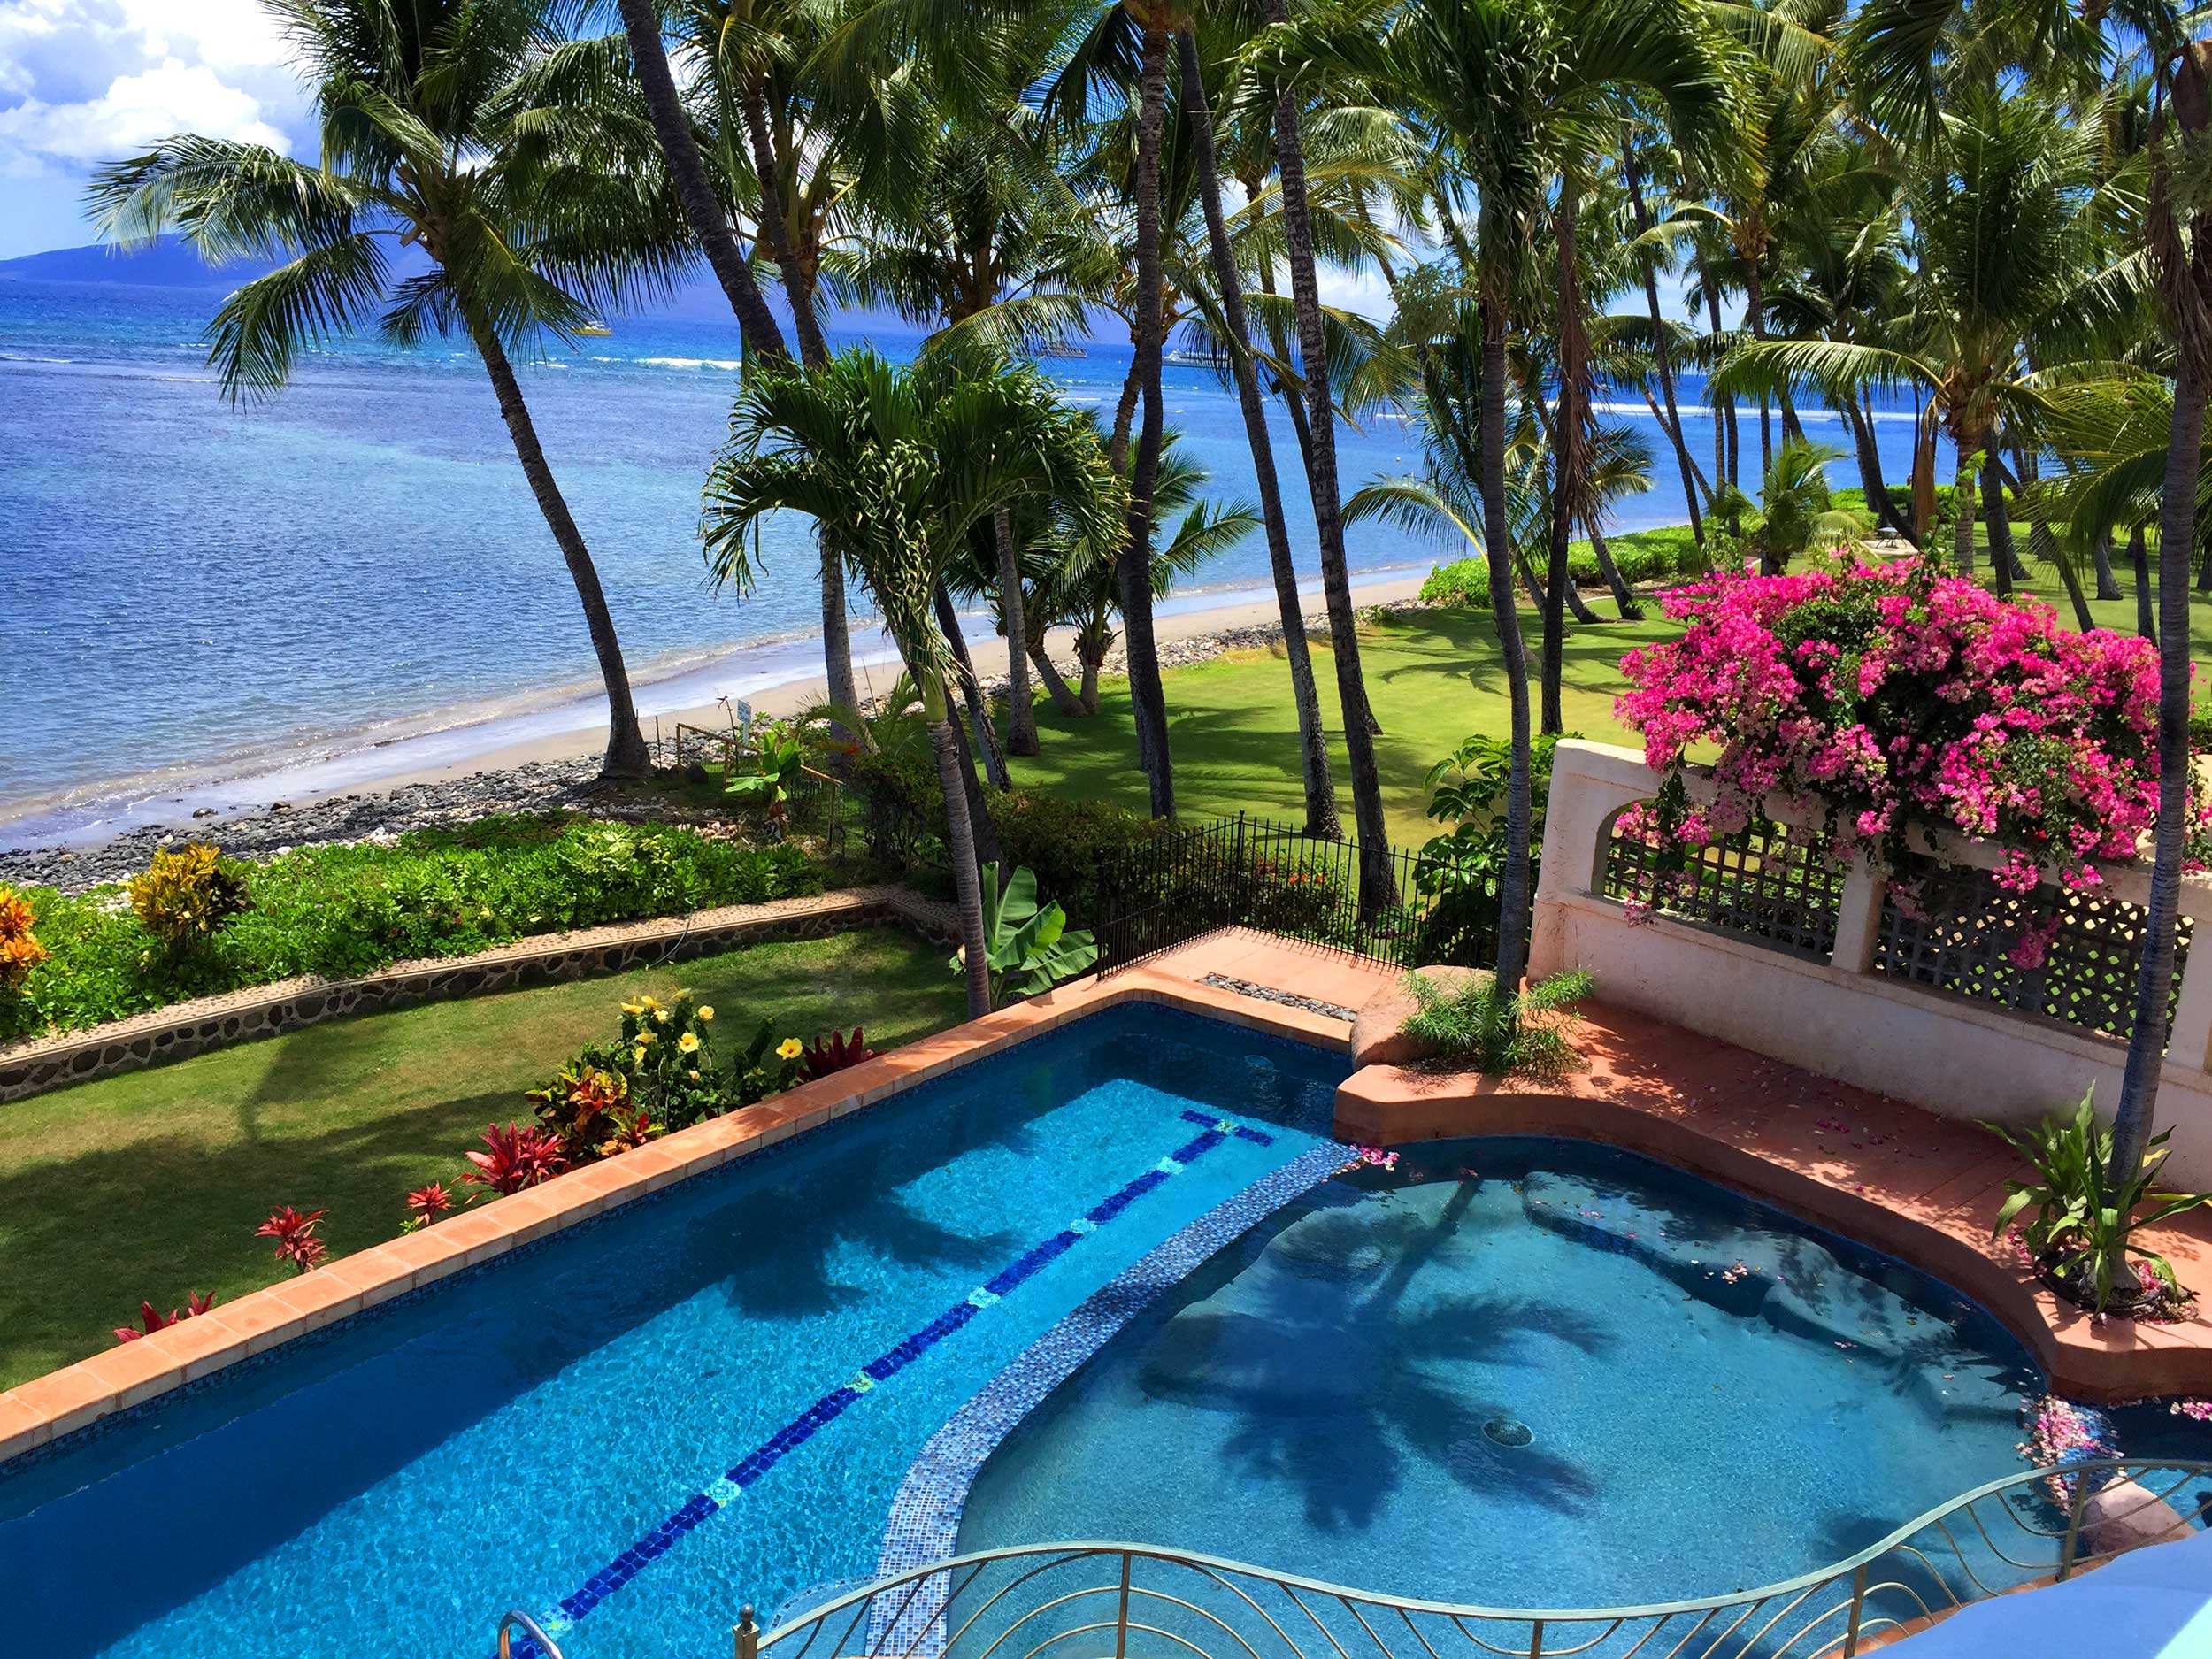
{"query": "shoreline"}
{"type": "Point", "coordinates": [547, 764]}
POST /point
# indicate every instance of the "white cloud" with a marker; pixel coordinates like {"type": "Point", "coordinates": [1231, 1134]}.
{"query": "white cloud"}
{"type": "Point", "coordinates": [172, 97]}
{"type": "Point", "coordinates": [84, 81]}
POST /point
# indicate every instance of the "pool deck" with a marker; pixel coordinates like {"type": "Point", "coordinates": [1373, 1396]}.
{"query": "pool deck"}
{"type": "Point", "coordinates": [1919, 1186]}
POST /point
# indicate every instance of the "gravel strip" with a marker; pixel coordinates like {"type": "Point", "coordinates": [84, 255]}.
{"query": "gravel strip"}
{"type": "Point", "coordinates": [1287, 999]}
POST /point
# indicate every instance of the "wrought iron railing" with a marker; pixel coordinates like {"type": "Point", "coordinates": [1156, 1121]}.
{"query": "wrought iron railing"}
{"type": "Point", "coordinates": [1077, 1600]}
{"type": "Point", "coordinates": [1246, 871]}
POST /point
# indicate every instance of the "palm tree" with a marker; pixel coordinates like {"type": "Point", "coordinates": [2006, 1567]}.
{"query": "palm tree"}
{"type": "Point", "coordinates": [902, 467]}
{"type": "Point", "coordinates": [1796, 514]}
{"type": "Point", "coordinates": [1377, 883]}
{"type": "Point", "coordinates": [2179, 236]}
{"type": "Point", "coordinates": [517, 159]}
{"type": "Point", "coordinates": [703, 206]}
{"type": "Point", "coordinates": [1236, 339]}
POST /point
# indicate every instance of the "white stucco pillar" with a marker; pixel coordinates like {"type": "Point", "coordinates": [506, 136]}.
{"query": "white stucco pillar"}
{"type": "Point", "coordinates": [1859, 916]}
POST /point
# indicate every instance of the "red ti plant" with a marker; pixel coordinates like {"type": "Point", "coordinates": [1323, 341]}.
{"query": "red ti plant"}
{"type": "Point", "coordinates": [194, 1304]}
{"type": "Point", "coordinates": [295, 1234]}
{"type": "Point", "coordinates": [516, 1156]}
{"type": "Point", "coordinates": [424, 1205]}
{"type": "Point", "coordinates": [834, 1052]}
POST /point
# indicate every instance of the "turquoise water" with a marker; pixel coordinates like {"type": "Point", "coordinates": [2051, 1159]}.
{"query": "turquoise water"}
{"type": "Point", "coordinates": [393, 1486]}
{"type": "Point", "coordinates": [198, 592]}
{"type": "Point", "coordinates": [1714, 1397]}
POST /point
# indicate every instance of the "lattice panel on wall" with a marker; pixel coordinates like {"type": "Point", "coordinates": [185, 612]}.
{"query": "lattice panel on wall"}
{"type": "Point", "coordinates": [1771, 882]}
{"type": "Point", "coordinates": [1958, 931]}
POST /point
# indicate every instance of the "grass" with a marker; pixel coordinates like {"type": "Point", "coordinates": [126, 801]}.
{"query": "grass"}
{"type": "Point", "coordinates": [150, 1185]}
{"type": "Point", "coordinates": [1434, 678]}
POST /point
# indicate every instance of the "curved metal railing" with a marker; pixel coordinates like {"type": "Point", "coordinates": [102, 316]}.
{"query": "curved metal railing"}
{"type": "Point", "coordinates": [1072, 1601]}
{"type": "Point", "coordinates": [514, 1619]}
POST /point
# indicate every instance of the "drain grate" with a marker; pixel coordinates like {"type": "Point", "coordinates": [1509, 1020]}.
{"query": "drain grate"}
{"type": "Point", "coordinates": [1508, 1431]}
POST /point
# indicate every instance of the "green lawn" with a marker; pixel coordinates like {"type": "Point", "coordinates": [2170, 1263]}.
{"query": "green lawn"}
{"type": "Point", "coordinates": [1432, 676]}
{"type": "Point", "coordinates": [150, 1185]}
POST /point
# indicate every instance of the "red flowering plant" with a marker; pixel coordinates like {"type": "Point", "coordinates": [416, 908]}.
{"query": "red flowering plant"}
{"type": "Point", "coordinates": [151, 1321]}
{"type": "Point", "coordinates": [295, 1235]}
{"type": "Point", "coordinates": [1894, 697]}
{"type": "Point", "coordinates": [424, 1205]}
{"type": "Point", "coordinates": [516, 1155]}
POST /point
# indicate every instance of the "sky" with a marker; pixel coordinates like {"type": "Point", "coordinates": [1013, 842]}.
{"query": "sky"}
{"type": "Point", "coordinates": [85, 81]}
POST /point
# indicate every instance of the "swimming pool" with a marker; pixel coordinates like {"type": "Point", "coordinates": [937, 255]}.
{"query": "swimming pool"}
{"type": "Point", "coordinates": [1522, 1372]}
{"type": "Point", "coordinates": [707, 1397]}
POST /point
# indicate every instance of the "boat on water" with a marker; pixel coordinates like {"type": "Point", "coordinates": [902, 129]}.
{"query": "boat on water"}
{"type": "Point", "coordinates": [1055, 348]}
{"type": "Point", "coordinates": [1188, 359]}
{"type": "Point", "coordinates": [593, 326]}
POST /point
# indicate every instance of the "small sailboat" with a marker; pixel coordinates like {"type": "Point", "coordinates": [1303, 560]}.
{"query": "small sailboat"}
{"type": "Point", "coordinates": [593, 326]}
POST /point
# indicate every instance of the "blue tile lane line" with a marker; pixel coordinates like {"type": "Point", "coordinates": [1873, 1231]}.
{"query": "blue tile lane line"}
{"type": "Point", "coordinates": [796, 1433]}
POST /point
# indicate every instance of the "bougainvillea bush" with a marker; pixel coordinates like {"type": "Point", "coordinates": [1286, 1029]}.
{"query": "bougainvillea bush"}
{"type": "Point", "coordinates": [1893, 696]}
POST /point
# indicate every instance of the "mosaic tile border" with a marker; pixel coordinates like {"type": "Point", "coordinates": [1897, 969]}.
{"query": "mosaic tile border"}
{"type": "Point", "coordinates": [748, 1470]}
{"type": "Point", "coordinates": [923, 1524]}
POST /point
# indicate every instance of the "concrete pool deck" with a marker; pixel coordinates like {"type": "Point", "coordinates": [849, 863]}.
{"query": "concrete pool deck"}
{"type": "Point", "coordinates": [1917, 1186]}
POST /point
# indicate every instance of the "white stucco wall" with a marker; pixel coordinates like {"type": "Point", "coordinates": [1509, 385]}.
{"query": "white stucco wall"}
{"type": "Point", "coordinates": [1952, 1055]}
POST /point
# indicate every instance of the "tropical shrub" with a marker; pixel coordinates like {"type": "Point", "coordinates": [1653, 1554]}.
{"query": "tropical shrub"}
{"type": "Point", "coordinates": [20, 950]}
{"type": "Point", "coordinates": [187, 894]}
{"type": "Point", "coordinates": [515, 1157]}
{"type": "Point", "coordinates": [661, 1074]}
{"type": "Point", "coordinates": [833, 1052]}
{"type": "Point", "coordinates": [1476, 1027]}
{"type": "Point", "coordinates": [150, 1321]}
{"type": "Point", "coordinates": [424, 1205]}
{"type": "Point", "coordinates": [296, 1240]}
{"type": "Point", "coordinates": [1031, 947]}
{"type": "Point", "coordinates": [2081, 1225]}
{"type": "Point", "coordinates": [343, 911]}
{"type": "Point", "coordinates": [1895, 696]}
{"type": "Point", "coordinates": [1460, 870]}
{"type": "Point", "coordinates": [1066, 841]}
{"type": "Point", "coordinates": [763, 778]}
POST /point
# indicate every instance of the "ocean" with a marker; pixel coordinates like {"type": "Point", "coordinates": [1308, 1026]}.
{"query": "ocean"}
{"type": "Point", "coordinates": [209, 601]}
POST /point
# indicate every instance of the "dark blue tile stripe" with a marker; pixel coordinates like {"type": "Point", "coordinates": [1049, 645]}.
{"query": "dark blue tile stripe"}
{"type": "Point", "coordinates": [796, 1433]}
{"type": "Point", "coordinates": [1241, 1131]}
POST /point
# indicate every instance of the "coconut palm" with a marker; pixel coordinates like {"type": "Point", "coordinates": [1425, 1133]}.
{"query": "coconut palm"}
{"type": "Point", "coordinates": [1796, 514]}
{"type": "Point", "coordinates": [902, 467]}
{"type": "Point", "coordinates": [520, 161]}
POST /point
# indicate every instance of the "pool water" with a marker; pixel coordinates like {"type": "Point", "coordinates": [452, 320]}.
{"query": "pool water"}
{"type": "Point", "coordinates": [1522, 1372]}
{"type": "Point", "coordinates": [707, 1399]}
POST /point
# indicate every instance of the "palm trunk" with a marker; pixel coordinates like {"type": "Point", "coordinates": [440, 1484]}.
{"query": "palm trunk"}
{"type": "Point", "coordinates": [709, 222]}
{"type": "Point", "coordinates": [2045, 544]}
{"type": "Point", "coordinates": [1148, 699]}
{"type": "Point", "coordinates": [967, 884]}
{"type": "Point", "coordinates": [2101, 557]}
{"type": "Point", "coordinates": [776, 222]}
{"type": "Point", "coordinates": [1090, 685]}
{"type": "Point", "coordinates": [970, 693]}
{"type": "Point", "coordinates": [1724, 446]}
{"type": "Point", "coordinates": [626, 755]}
{"type": "Point", "coordinates": [1513, 881]}
{"type": "Point", "coordinates": [1021, 719]}
{"type": "Point", "coordinates": [1870, 479]}
{"type": "Point", "coordinates": [1056, 688]}
{"type": "Point", "coordinates": [2153, 986]}
{"type": "Point", "coordinates": [1567, 455]}
{"type": "Point", "coordinates": [1376, 886]}
{"type": "Point", "coordinates": [1313, 743]}
{"type": "Point", "coordinates": [1661, 357]}
{"type": "Point", "coordinates": [1962, 510]}
{"type": "Point", "coordinates": [837, 650]}
{"type": "Point", "coordinates": [2002, 561]}
{"type": "Point", "coordinates": [2139, 562]}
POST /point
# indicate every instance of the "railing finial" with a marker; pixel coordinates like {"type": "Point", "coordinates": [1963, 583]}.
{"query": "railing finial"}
{"type": "Point", "coordinates": [747, 1633]}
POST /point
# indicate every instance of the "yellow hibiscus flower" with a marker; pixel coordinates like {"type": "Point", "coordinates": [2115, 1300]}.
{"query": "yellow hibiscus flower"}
{"type": "Point", "coordinates": [687, 1043]}
{"type": "Point", "coordinates": [639, 1056]}
{"type": "Point", "coordinates": [706, 1015]}
{"type": "Point", "coordinates": [661, 1015]}
{"type": "Point", "coordinates": [790, 1049]}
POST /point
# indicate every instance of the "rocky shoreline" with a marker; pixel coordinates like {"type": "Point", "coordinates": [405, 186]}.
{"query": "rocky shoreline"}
{"type": "Point", "coordinates": [542, 787]}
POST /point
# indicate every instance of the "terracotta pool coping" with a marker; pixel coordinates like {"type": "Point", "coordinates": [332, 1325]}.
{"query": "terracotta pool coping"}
{"type": "Point", "coordinates": [65, 1400]}
{"type": "Point", "coordinates": [1918, 1187]}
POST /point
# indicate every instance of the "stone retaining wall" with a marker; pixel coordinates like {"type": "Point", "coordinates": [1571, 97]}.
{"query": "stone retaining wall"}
{"type": "Point", "coordinates": [268, 1010]}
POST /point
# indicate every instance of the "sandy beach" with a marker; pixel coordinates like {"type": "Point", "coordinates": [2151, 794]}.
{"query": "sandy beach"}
{"type": "Point", "coordinates": [533, 759]}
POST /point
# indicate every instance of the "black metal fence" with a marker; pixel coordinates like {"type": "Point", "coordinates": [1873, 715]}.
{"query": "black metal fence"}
{"type": "Point", "coordinates": [1244, 871]}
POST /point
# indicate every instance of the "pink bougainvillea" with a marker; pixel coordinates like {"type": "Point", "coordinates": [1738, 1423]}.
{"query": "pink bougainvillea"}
{"type": "Point", "coordinates": [1891, 696]}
